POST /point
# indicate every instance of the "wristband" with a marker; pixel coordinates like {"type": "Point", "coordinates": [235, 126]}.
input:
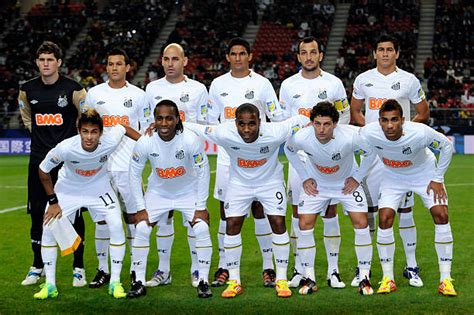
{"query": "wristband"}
{"type": "Point", "coordinates": [52, 199]}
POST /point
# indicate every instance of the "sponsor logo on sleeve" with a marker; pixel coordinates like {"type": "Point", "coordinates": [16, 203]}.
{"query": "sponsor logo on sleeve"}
{"type": "Point", "coordinates": [55, 160]}
{"type": "Point", "coordinates": [271, 106]}
{"type": "Point", "coordinates": [198, 158]}
{"type": "Point", "coordinates": [208, 130]}
{"type": "Point", "coordinates": [434, 144]}
{"type": "Point", "coordinates": [341, 104]}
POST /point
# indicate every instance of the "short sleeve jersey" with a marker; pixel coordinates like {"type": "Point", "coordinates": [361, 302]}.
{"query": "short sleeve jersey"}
{"type": "Point", "coordinates": [375, 88]}
{"type": "Point", "coordinates": [127, 106]}
{"type": "Point", "coordinates": [190, 96]}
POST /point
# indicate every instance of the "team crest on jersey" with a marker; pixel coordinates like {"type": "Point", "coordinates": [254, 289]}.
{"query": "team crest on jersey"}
{"type": "Point", "coordinates": [62, 101]}
{"type": "Point", "coordinates": [296, 96]}
{"type": "Point", "coordinates": [127, 102]}
{"type": "Point", "coordinates": [249, 94]}
{"type": "Point", "coordinates": [179, 155]}
{"type": "Point", "coordinates": [100, 103]}
{"type": "Point", "coordinates": [323, 94]}
{"type": "Point", "coordinates": [396, 86]}
{"type": "Point", "coordinates": [103, 159]}
{"type": "Point", "coordinates": [155, 155]}
{"type": "Point", "coordinates": [158, 97]}
{"type": "Point", "coordinates": [369, 85]}
{"type": "Point", "coordinates": [336, 156]}
{"type": "Point", "coordinates": [184, 97]}
{"type": "Point", "coordinates": [224, 94]}
{"type": "Point", "coordinates": [406, 150]}
{"type": "Point", "coordinates": [264, 149]}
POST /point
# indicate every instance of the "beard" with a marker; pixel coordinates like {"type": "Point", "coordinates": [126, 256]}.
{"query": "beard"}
{"type": "Point", "coordinates": [310, 69]}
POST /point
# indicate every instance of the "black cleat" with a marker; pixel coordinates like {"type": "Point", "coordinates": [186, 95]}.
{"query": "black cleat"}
{"type": "Point", "coordinates": [309, 287]}
{"type": "Point", "coordinates": [269, 278]}
{"type": "Point", "coordinates": [203, 290]}
{"type": "Point", "coordinates": [100, 279]}
{"type": "Point", "coordinates": [220, 277]}
{"type": "Point", "coordinates": [365, 288]}
{"type": "Point", "coordinates": [137, 289]}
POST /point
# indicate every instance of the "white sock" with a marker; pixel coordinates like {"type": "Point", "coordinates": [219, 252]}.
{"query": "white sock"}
{"type": "Point", "coordinates": [164, 242]}
{"type": "Point", "coordinates": [407, 231]}
{"type": "Point", "coordinates": [444, 249]}
{"type": "Point", "coordinates": [233, 253]}
{"type": "Point", "coordinates": [102, 239]}
{"type": "Point", "coordinates": [307, 251]}
{"type": "Point", "coordinates": [49, 254]}
{"type": "Point", "coordinates": [295, 230]}
{"type": "Point", "coordinates": [281, 250]}
{"type": "Point", "coordinates": [263, 232]}
{"type": "Point", "coordinates": [332, 242]}
{"type": "Point", "coordinates": [140, 249]}
{"type": "Point", "coordinates": [386, 249]}
{"type": "Point", "coordinates": [363, 248]}
{"type": "Point", "coordinates": [192, 248]}
{"type": "Point", "coordinates": [220, 242]}
{"type": "Point", "coordinates": [204, 249]}
{"type": "Point", "coordinates": [372, 220]}
{"type": "Point", "coordinates": [117, 252]}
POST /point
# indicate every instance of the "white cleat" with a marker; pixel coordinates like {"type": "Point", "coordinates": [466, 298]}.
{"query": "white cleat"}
{"type": "Point", "coordinates": [159, 278]}
{"type": "Point", "coordinates": [413, 276]}
{"type": "Point", "coordinates": [195, 278]}
{"type": "Point", "coordinates": [335, 282]}
{"type": "Point", "coordinates": [33, 276]}
{"type": "Point", "coordinates": [79, 277]}
{"type": "Point", "coordinates": [355, 282]}
{"type": "Point", "coordinates": [296, 280]}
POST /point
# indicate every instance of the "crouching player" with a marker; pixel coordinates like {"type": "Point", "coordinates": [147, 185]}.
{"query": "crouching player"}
{"type": "Point", "coordinates": [255, 175]}
{"type": "Point", "coordinates": [330, 175]}
{"type": "Point", "coordinates": [83, 182]}
{"type": "Point", "coordinates": [179, 181]}
{"type": "Point", "coordinates": [410, 166]}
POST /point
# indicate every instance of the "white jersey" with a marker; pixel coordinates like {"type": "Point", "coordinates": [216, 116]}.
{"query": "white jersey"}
{"type": "Point", "coordinates": [179, 168]}
{"type": "Point", "coordinates": [298, 95]}
{"type": "Point", "coordinates": [227, 93]}
{"type": "Point", "coordinates": [329, 164]}
{"type": "Point", "coordinates": [127, 106]}
{"type": "Point", "coordinates": [253, 164]}
{"type": "Point", "coordinates": [409, 158]}
{"type": "Point", "coordinates": [190, 96]}
{"type": "Point", "coordinates": [81, 168]}
{"type": "Point", "coordinates": [375, 88]}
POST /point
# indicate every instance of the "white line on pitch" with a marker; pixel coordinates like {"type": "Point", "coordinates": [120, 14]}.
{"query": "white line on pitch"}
{"type": "Point", "coordinates": [12, 209]}
{"type": "Point", "coordinates": [13, 187]}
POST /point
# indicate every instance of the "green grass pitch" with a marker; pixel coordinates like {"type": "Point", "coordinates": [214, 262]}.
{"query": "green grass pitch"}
{"type": "Point", "coordinates": [180, 297]}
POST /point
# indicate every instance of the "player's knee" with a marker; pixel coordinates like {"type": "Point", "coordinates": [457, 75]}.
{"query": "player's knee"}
{"type": "Point", "coordinates": [331, 211]}
{"type": "Point", "coordinates": [129, 218]}
{"type": "Point", "coordinates": [47, 239]}
{"type": "Point", "coordinates": [201, 229]}
{"type": "Point", "coordinates": [257, 210]}
{"type": "Point", "coordinates": [278, 224]}
{"type": "Point", "coordinates": [440, 214]}
{"type": "Point", "coordinates": [295, 211]}
{"type": "Point", "coordinates": [142, 232]}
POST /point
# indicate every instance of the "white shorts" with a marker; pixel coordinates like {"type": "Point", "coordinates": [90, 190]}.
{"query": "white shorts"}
{"type": "Point", "coordinates": [239, 199]}
{"type": "Point", "coordinates": [158, 206]}
{"type": "Point", "coordinates": [393, 192]}
{"type": "Point", "coordinates": [371, 184]}
{"type": "Point", "coordinates": [222, 181]}
{"type": "Point", "coordinates": [100, 199]}
{"type": "Point", "coordinates": [121, 185]}
{"type": "Point", "coordinates": [355, 202]}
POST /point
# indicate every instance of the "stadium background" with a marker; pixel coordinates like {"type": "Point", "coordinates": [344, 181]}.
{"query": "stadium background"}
{"type": "Point", "coordinates": [436, 44]}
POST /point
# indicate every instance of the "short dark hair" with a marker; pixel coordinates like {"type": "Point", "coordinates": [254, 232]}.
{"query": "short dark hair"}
{"type": "Point", "coordinates": [48, 47]}
{"type": "Point", "coordinates": [170, 103]}
{"type": "Point", "coordinates": [307, 40]}
{"type": "Point", "coordinates": [118, 52]}
{"type": "Point", "coordinates": [247, 108]}
{"type": "Point", "coordinates": [238, 41]}
{"type": "Point", "coordinates": [391, 105]}
{"type": "Point", "coordinates": [91, 116]}
{"type": "Point", "coordinates": [324, 109]}
{"type": "Point", "coordinates": [387, 38]}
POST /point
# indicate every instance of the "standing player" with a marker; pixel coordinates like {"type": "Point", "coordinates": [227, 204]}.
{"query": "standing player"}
{"type": "Point", "coordinates": [84, 157]}
{"type": "Point", "coordinates": [191, 98]}
{"type": "Point", "coordinates": [179, 181]}
{"type": "Point", "coordinates": [410, 166]}
{"type": "Point", "coordinates": [330, 175]}
{"type": "Point", "coordinates": [49, 106]}
{"type": "Point", "coordinates": [227, 92]}
{"type": "Point", "coordinates": [298, 94]}
{"type": "Point", "coordinates": [118, 102]}
{"type": "Point", "coordinates": [255, 175]}
{"type": "Point", "coordinates": [372, 88]}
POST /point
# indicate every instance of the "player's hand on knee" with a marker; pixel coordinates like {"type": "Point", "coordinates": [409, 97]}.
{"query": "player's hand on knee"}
{"type": "Point", "coordinates": [310, 187]}
{"type": "Point", "coordinates": [350, 185]}
{"type": "Point", "coordinates": [53, 211]}
{"type": "Point", "coordinates": [439, 193]}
